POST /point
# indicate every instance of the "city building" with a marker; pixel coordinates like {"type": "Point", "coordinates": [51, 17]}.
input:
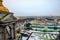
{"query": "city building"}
{"type": "Point", "coordinates": [7, 23]}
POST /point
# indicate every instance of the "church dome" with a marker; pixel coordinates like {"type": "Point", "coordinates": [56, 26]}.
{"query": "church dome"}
{"type": "Point", "coordinates": [2, 8]}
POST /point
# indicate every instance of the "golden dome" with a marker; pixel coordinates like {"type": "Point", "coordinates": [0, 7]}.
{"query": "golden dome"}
{"type": "Point", "coordinates": [2, 8]}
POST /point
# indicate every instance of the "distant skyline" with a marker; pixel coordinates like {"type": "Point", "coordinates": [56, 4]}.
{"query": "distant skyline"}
{"type": "Point", "coordinates": [33, 7]}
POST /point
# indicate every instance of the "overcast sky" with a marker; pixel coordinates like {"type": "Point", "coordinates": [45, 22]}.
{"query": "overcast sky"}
{"type": "Point", "coordinates": [33, 7]}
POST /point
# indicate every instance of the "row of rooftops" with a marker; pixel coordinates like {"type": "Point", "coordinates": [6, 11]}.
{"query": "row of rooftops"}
{"type": "Point", "coordinates": [43, 20]}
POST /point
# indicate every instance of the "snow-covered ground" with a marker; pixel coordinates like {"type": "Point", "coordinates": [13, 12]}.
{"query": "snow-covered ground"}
{"type": "Point", "coordinates": [37, 35]}
{"type": "Point", "coordinates": [41, 35]}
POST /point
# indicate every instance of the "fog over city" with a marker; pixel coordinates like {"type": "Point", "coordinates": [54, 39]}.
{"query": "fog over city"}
{"type": "Point", "coordinates": [33, 7]}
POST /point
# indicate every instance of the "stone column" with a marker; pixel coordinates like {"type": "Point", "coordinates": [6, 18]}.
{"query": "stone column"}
{"type": "Point", "coordinates": [4, 33]}
{"type": "Point", "coordinates": [14, 30]}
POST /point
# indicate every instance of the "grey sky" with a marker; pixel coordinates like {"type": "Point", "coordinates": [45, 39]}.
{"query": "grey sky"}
{"type": "Point", "coordinates": [33, 7]}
